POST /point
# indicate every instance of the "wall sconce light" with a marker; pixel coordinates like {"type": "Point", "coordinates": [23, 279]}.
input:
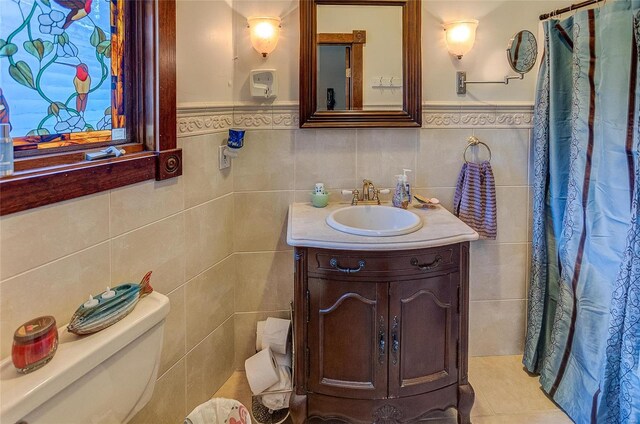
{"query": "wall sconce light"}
{"type": "Point", "coordinates": [264, 33]}
{"type": "Point", "coordinates": [460, 36]}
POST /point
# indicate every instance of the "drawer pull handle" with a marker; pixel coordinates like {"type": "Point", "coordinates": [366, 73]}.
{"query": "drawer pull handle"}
{"type": "Point", "coordinates": [395, 343]}
{"type": "Point", "coordinates": [334, 264]}
{"type": "Point", "coordinates": [427, 267]}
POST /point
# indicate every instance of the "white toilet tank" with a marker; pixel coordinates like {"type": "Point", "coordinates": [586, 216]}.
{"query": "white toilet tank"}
{"type": "Point", "coordinates": [106, 377]}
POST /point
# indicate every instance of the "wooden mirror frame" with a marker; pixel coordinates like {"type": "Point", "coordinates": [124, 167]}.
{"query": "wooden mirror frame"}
{"type": "Point", "coordinates": [411, 113]}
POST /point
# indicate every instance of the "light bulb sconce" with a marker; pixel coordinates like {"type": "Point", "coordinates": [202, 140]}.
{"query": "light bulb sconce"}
{"type": "Point", "coordinates": [264, 32]}
{"type": "Point", "coordinates": [460, 36]}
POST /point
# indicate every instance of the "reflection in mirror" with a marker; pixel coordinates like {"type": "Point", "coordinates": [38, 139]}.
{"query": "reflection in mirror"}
{"type": "Point", "coordinates": [340, 70]}
{"type": "Point", "coordinates": [522, 52]}
{"type": "Point", "coordinates": [360, 63]}
{"type": "Point", "coordinates": [333, 63]}
{"type": "Point", "coordinates": [359, 57]}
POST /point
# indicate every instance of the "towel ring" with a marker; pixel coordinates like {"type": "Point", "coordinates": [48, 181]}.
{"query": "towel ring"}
{"type": "Point", "coordinates": [473, 141]}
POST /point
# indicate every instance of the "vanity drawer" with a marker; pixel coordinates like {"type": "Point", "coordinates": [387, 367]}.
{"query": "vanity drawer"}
{"type": "Point", "coordinates": [371, 264]}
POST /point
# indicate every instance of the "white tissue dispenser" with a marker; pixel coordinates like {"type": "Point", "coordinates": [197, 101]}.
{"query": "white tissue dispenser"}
{"type": "Point", "coordinates": [264, 83]}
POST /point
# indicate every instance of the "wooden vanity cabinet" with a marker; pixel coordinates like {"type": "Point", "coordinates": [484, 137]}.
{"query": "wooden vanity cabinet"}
{"type": "Point", "coordinates": [381, 337]}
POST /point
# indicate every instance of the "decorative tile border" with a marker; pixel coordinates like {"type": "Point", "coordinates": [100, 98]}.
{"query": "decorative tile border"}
{"type": "Point", "coordinates": [286, 116]}
{"type": "Point", "coordinates": [251, 119]}
{"type": "Point", "coordinates": [475, 116]}
{"type": "Point", "coordinates": [202, 120]}
{"type": "Point", "coordinates": [516, 119]}
{"type": "Point", "coordinates": [284, 119]}
{"type": "Point", "coordinates": [433, 119]}
{"type": "Point", "coordinates": [204, 124]}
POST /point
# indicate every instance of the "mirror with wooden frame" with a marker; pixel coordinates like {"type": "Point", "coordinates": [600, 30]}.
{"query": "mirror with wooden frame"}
{"type": "Point", "coordinates": [360, 63]}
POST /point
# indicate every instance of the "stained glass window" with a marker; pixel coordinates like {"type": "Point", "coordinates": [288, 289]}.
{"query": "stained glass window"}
{"type": "Point", "coordinates": [61, 76]}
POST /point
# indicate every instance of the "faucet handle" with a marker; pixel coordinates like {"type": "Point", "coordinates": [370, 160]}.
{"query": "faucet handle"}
{"type": "Point", "coordinates": [355, 193]}
{"type": "Point", "coordinates": [377, 192]}
{"type": "Point", "coordinates": [376, 195]}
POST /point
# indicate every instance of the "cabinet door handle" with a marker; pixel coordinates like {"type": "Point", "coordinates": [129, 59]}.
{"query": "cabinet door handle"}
{"type": "Point", "coordinates": [427, 267]}
{"type": "Point", "coordinates": [334, 264]}
{"type": "Point", "coordinates": [395, 343]}
{"type": "Point", "coordinates": [381, 342]}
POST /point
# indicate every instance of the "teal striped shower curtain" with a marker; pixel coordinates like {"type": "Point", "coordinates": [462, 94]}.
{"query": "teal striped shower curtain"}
{"type": "Point", "coordinates": [583, 328]}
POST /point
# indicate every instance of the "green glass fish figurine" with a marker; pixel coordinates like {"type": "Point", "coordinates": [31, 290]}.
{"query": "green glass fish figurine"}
{"type": "Point", "coordinates": [109, 307]}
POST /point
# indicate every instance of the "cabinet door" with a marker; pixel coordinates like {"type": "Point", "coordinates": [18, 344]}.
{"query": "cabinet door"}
{"type": "Point", "coordinates": [347, 338]}
{"type": "Point", "coordinates": [423, 326]}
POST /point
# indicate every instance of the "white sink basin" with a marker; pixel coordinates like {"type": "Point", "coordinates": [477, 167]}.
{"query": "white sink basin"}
{"type": "Point", "coordinates": [374, 221]}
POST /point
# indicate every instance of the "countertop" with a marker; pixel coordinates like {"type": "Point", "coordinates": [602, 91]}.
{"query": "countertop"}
{"type": "Point", "coordinates": [307, 227]}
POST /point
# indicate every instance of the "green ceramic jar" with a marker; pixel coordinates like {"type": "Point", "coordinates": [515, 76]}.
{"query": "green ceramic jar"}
{"type": "Point", "coordinates": [319, 200]}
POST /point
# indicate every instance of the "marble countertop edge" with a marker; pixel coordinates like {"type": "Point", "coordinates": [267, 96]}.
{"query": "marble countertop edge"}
{"type": "Point", "coordinates": [312, 231]}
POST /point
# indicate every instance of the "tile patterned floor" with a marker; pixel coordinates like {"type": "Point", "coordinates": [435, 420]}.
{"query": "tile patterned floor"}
{"type": "Point", "coordinates": [505, 394]}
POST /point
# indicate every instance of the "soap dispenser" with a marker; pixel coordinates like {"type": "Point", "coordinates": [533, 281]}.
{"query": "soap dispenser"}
{"type": "Point", "coordinates": [401, 197]}
{"type": "Point", "coordinates": [406, 184]}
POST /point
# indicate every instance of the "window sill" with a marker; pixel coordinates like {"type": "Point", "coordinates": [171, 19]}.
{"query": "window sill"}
{"type": "Point", "coordinates": [42, 180]}
{"type": "Point", "coordinates": [42, 186]}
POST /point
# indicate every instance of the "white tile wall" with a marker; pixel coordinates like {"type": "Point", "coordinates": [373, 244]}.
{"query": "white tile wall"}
{"type": "Point", "coordinates": [53, 257]}
{"type": "Point", "coordinates": [498, 268]}
{"type": "Point", "coordinates": [219, 251]}
{"type": "Point", "coordinates": [191, 229]}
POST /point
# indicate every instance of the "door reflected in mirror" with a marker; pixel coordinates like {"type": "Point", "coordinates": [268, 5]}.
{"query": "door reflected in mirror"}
{"type": "Point", "coordinates": [334, 63]}
{"type": "Point", "coordinates": [359, 57]}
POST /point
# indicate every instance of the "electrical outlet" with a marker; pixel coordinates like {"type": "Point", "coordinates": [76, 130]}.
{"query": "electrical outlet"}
{"type": "Point", "coordinates": [224, 161]}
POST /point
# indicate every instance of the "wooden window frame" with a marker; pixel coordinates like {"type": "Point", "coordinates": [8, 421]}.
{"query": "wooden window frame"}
{"type": "Point", "coordinates": [46, 179]}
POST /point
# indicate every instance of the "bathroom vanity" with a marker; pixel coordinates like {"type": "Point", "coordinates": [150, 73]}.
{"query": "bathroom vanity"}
{"type": "Point", "coordinates": [380, 323]}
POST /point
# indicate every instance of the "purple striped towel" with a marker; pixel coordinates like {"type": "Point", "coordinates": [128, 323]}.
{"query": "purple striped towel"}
{"type": "Point", "coordinates": [475, 198]}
